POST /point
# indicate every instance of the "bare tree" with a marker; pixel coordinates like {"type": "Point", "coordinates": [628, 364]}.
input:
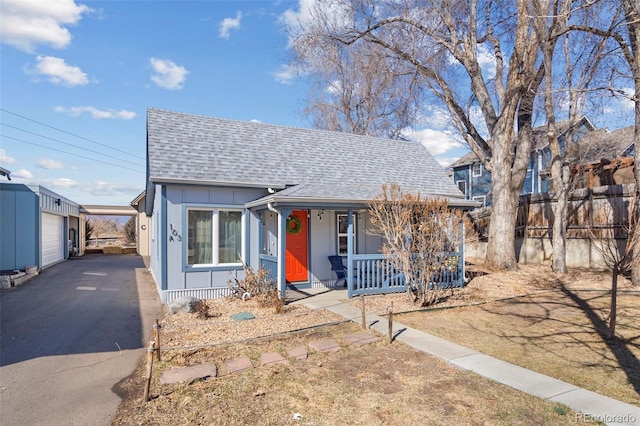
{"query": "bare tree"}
{"type": "Point", "coordinates": [417, 233]}
{"type": "Point", "coordinates": [88, 229]}
{"type": "Point", "coordinates": [617, 246]}
{"type": "Point", "coordinates": [130, 230]}
{"type": "Point", "coordinates": [361, 92]}
{"type": "Point", "coordinates": [582, 56]}
{"type": "Point", "coordinates": [627, 36]}
{"type": "Point", "coordinates": [446, 43]}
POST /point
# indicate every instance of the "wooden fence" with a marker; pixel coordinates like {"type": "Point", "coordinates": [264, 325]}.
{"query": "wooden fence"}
{"type": "Point", "coordinates": [600, 213]}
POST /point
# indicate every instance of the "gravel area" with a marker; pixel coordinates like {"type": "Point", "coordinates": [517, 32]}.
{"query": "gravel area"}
{"type": "Point", "coordinates": [528, 279]}
{"type": "Point", "coordinates": [184, 330]}
{"type": "Point", "coordinates": [192, 330]}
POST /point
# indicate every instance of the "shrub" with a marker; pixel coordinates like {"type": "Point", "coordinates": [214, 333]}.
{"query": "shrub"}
{"type": "Point", "coordinates": [256, 285]}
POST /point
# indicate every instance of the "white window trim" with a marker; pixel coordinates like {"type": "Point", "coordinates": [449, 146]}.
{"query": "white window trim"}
{"type": "Point", "coordinates": [345, 234]}
{"type": "Point", "coordinates": [466, 185]}
{"type": "Point", "coordinates": [482, 198]}
{"type": "Point", "coordinates": [215, 223]}
{"type": "Point", "coordinates": [473, 169]}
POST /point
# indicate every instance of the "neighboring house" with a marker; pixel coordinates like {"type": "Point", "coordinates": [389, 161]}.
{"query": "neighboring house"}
{"type": "Point", "coordinates": [474, 180]}
{"type": "Point", "coordinates": [143, 226]}
{"type": "Point", "coordinates": [223, 192]}
{"type": "Point", "coordinates": [37, 227]}
{"type": "Point", "coordinates": [604, 158]}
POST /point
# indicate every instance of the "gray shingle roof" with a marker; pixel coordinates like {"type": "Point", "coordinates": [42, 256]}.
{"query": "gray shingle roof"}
{"type": "Point", "coordinates": [198, 149]}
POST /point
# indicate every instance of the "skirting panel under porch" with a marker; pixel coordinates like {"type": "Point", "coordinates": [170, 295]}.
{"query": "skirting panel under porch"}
{"type": "Point", "coordinates": [169, 296]}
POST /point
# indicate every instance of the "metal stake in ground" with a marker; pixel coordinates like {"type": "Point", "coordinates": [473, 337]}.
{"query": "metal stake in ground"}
{"type": "Point", "coordinates": [364, 321]}
{"type": "Point", "coordinates": [147, 386]}
{"type": "Point", "coordinates": [156, 338]}
{"type": "Point", "coordinates": [390, 314]}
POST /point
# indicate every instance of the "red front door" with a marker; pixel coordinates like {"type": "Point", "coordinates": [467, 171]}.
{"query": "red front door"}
{"type": "Point", "coordinates": [297, 256]}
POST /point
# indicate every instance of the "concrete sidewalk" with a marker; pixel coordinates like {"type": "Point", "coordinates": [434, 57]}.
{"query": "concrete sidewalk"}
{"type": "Point", "coordinates": [593, 406]}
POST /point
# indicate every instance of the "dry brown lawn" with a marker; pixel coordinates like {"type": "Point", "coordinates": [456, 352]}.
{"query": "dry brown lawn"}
{"type": "Point", "coordinates": [550, 323]}
{"type": "Point", "coordinates": [556, 329]}
{"type": "Point", "coordinates": [376, 384]}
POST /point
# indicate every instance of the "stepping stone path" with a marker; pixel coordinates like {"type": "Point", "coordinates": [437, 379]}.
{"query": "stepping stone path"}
{"type": "Point", "coordinates": [324, 345]}
{"type": "Point", "coordinates": [361, 339]}
{"type": "Point", "coordinates": [271, 358]}
{"type": "Point", "coordinates": [299, 352]}
{"type": "Point", "coordinates": [235, 365]}
{"type": "Point", "coordinates": [184, 374]}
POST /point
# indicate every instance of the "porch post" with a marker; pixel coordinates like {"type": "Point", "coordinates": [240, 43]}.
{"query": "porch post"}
{"type": "Point", "coordinates": [282, 245]}
{"type": "Point", "coordinates": [349, 253]}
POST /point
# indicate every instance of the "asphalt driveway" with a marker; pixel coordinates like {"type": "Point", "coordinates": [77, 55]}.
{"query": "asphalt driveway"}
{"type": "Point", "coordinates": [71, 333]}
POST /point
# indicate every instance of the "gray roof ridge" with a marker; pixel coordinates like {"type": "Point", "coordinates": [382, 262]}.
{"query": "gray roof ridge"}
{"type": "Point", "coordinates": [282, 126]}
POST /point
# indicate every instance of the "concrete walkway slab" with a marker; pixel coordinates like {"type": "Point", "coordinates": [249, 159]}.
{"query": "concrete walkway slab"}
{"type": "Point", "coordinates": [238, 364]}
{"type": "Point", "coordinates": [298, 352]}
{"type": "Point", "coordinates": [272, 358]}
{"type": "Point", "coordinates": [533, 383]}
{"type": "Point", "coordinates": [185, 374]}
{"type": "Point", "coordinates": [324, 345]}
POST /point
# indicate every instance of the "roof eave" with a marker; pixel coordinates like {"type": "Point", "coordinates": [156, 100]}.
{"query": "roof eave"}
{"type": "Point", "coordinates": [263, 185]}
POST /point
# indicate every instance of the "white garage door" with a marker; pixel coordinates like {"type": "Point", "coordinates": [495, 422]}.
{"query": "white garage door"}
{"type": "Point", "coordinates": [52, 239]}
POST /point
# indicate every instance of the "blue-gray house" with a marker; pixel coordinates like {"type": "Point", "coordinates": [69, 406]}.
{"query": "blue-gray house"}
{"type": "Point", "coordinates": [474, 180]}
{"type": "Point", "coordinates": [221, 192]}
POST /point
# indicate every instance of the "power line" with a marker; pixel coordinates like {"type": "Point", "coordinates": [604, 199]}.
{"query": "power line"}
{"type": "Point", "coordinates": [31, 86]}
{"type": "Point", "coordinates": [70, 153]}
{"type": "Point", "coordinates": [72, 134]}
{"type": "Point", "coordinates": [70, 144]}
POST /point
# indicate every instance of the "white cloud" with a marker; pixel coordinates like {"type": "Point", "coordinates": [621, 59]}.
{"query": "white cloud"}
{"type": "Point", "coordinates": [487, 61]}
{"type": "Point", "coordinates": [49, 164]}
{"type": "Point", "coordinates": [336, 14]}
{"type": "Point", "coordinates": [96, 113]}
{"type": "Point", "coordinates": [21, 174]}
{"type": "Point", "coordinates": [4, 158]}
{"type": "Point", "coordinates": [58, 72]}
{"type": "Point", "coordinates": [26, 23]}
{"type": "Point", "coordinates": [286, 74]}
{"type": "Point", "coordinates": [436, 141]}
{"type": "Point", "coordinates": [626, 99]}
{"type": "Point", "coordinates": [167, 74]}
{"type": "Point", "coordinates": [446, 161]}
{"type": "Point", "coordinates": [229, 24]}
{"type": "Point", "coordinates": [61, 183]}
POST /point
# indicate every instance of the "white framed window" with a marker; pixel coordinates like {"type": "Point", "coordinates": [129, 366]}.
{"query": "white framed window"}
{"type": "Point", "coordinates": [480, 198]}
{"type": "Point", "coordinates": [214, 236]}
{"type": "Point", "coordinates": [342, 237]}
{"type": "Point", "coordinates": [462, 186]}
{"type": "Point", "coordinates": [476, 169]}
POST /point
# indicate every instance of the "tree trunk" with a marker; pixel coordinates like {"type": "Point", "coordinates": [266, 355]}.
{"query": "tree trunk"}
{"type": "Point", "coordinates": [632, 15]}
{"type": "Point", "coordinates": [559, 258]}
{"type": "Point", "coordinates": [635, 262]}
{"type": "Point", "coordinates": [611, 333]}
{"type": "Point", "coordinates": [501, 245]}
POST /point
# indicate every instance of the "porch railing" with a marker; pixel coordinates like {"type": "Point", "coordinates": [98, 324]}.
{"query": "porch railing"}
{"type": "Point", "coordinates": [269, 263]}
{"type": "Point", "coordinates": [374, 274]}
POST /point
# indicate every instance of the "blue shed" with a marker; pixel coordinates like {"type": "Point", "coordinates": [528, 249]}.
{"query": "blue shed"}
{"type": "Point", "coordinates": [36, 226]}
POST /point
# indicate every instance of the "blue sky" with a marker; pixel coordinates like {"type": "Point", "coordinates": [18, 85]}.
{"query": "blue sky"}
{"type": "Point", "coordinates": [77, 78]}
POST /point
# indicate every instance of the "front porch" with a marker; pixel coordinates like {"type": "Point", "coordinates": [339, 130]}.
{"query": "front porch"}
{"type": "Point", "coordinates": [366, 270]}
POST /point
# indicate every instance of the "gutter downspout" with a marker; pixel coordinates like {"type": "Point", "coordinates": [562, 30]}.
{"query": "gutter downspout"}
{"type": "Point", "coordinates": [280, 278]}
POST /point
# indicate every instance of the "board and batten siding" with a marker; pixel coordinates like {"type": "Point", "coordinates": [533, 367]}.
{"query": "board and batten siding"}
{"type": "Point", "coordinates": [173, 202]}
{"type": "Point", "coordinates": [19, 224]}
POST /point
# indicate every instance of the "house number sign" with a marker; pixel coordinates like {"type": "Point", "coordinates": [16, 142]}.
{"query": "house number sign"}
{"type": "Point", "coordinates": [173, 234]}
